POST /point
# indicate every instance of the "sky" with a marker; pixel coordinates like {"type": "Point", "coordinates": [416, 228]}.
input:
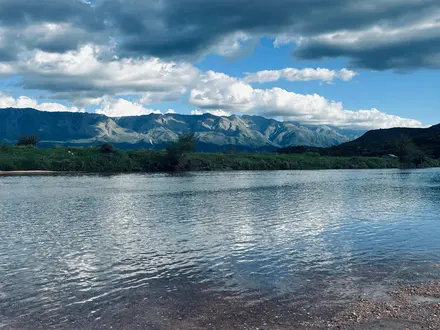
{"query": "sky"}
{"type": "Point", "coordinates": [346, 63]}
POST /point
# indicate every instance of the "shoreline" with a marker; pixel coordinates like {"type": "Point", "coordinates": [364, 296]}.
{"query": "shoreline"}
{"type": "Point", "coordinates": [48, 172]}
{"type": "Point", "coordinates": [409, 306]}
{"type": "Point", "coordinates": [30, 172]}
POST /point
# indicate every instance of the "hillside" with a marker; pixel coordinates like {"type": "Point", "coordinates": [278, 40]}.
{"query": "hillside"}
{"type": "Point", "coordinates": [382, 142]}
{"type": "Point", "coordinates": [154, 131]}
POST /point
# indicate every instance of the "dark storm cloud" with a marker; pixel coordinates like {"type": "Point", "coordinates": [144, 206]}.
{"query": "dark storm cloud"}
{"type": "Point", "coordinates": [402, 55]}
{"type": "Point", "coordinates": [187, 27]}
{"type": "Point", "coordinates": [169, 28]}
{"type": "Point", "coordinates": [24, 12]}
{"type": "Point", "coordinates": [179, 28]}
{"type": "Point", "coordinates": [7, 55]}
{"type": "Point", "coordinates": [21, 24]}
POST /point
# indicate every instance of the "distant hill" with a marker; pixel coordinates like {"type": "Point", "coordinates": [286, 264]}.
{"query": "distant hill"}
{"type": "Point", "coordinates": [383, 142]}
{"type": "Point", "coordinates": [242, 133]}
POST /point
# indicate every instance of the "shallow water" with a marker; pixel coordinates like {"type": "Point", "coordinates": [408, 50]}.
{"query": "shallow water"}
{"type": "Point", "coordinates": [151, 251]}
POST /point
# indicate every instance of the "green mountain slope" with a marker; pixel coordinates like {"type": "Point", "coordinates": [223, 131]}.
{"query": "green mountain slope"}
{"type": "Point", "coordinates": [383, 142]}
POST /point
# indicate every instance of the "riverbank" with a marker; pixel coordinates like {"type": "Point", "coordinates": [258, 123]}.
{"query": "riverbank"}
{"type": "Point", "coordinates": [4, 173]}
{"type": "Point", "coordinates": [94, 161]}
{"type": "Point", "coordinates": [404, 307]}
{"type": "Point", "coordinates": [414, 307]}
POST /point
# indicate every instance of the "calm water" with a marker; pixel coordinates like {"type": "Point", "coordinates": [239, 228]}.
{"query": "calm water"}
{"type": "Point", "coordinates": [153, 250]}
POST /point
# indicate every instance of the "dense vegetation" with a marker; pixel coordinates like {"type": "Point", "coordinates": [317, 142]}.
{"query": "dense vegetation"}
{"type": "Point", "coordinates": [180, 155]}
{"type": "Point", "coordinates": [28, 140]}
{"type": "Point", "coordinates": [414, 147]}
{"type": "Point", "coordinates": [96, 159]}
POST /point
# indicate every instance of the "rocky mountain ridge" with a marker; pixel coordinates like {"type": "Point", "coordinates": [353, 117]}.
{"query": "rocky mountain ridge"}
{"type": "Point", "coordinates": [212, 132]}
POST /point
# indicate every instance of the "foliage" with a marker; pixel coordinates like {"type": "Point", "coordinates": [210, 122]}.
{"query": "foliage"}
{"type": "Point", "coordinates": [410, 155]}
{"type": "Point", "coordinates": [28, 140]}
{"type": "Point", "coordinates": [415, 147]}
{"type": "Point", "coordinates": [93, 160]}
{"type": "Point", "coordinates": [312, 154]}
{"type": "Point", "coordinates": [107, 148]}
{"type": "Point", "coordinates": [230, 150]}
{"type": "Point", "coordinates": [175, 151]}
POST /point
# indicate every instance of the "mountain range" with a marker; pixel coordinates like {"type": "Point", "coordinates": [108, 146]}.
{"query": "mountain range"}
{"type": "Point", "coordinates": [213, 133]}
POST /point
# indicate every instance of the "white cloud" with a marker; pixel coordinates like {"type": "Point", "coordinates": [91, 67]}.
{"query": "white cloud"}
{"type": "Point", "coordinates": [346, 75]}
{"type": "Point", "coordinates": [6, 69]}
{"type": "Point", "coordinates": [307, 74]}
{"type": "Point", "coordinates": [121, 107]}
{"type": "Point", "coordinates": [378, 34]}
{"type": "Point", "coordinates": [219, 91]}
{"type": "Point", "coordinates": [81, 75]}
{"type": "Point", "coordinates": [85, 78]}
{"type": "Point", "coordinates": [223, 95]}
{"type": "Point", "coordinates": [215, 112]}
{"type": "Point", "coordinates": [157, 97]}
{"type": "Point", "coordinates": [26, 102]}
{"type": "Point", "coordinates": [285, 39]}
{"type": "Point", "coordinates": [234, 45]}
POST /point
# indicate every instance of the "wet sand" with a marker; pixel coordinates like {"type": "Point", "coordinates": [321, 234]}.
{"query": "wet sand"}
{"type": "Point", "coordinates": [407, 307]}
{"type": "Point", "coordinates": [412, 307]}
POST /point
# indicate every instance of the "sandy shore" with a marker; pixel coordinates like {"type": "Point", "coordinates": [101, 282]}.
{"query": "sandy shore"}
{"type": "Point", "coordinates": [412, 307]}
{"type": "Point", "coordinates": [407, 307]}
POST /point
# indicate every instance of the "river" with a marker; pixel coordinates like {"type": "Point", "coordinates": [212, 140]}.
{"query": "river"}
{"type": "Point", "coordinates": [210, 250]}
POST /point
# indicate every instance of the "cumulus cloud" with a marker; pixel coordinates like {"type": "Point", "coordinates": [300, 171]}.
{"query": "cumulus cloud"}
{"type": "Point", "coordinates": [215, 112]}
{"type": "Point", "coordinates": [222, 95]}
{"type": "Point", "coordinates": [219, 91]}
{"type": "Point", "coordinates": [111, 107]}
{"type": "Point", "coordinates": [80, 76]}
{"type": "Point", "coordinates": [307, 74]}
{"type": "Point", "coordinates": [6, 69]}
{"type": "Point", "coordinates": [22, 12]}
{"type": "Point", "coordinates": [167, 28]}
{"type": "Point", "coordinates": [48, 25]}
{"type": "Point", "coordinates": [157, 97]}
{"type": "Point", "coordinates": [7, 101]}
{"type": "Point", "coordinates": [400, 48]}
{"type": "Point", "coordinates": [235, 45]}
{"type": "Point", "coordinates": [121, 107]}
{"type": "Point", "coordinates": [95, 53]}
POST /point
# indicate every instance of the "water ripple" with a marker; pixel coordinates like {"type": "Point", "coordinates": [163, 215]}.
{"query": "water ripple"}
{"type": "Point", "coordinates": [71, 247]}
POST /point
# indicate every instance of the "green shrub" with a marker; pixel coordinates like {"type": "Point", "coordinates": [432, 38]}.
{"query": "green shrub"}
{"type": "Point", "coordinates": [28, 140]}
{"type": "Point", "coordinates": [312, 154]}
{"type": "Point", "coordinates": [107, 148]}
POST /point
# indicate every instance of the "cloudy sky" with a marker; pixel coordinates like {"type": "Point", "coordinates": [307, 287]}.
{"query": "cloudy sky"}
{"type": "Point", "coordinates": [349, 63]}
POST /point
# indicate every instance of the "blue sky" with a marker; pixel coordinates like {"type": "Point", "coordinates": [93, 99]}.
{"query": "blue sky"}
{"type": "Point", "coordinates": [412, 94]}
{"type": "Point", "coordinates": [346, 63]}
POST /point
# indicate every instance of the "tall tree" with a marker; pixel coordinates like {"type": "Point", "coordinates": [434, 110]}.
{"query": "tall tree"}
{"type": "Point", "coordinates": [175, 151]}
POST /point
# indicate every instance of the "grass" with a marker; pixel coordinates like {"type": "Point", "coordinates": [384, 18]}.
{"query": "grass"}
{"type": "Point", "coordinates": [92, 160]}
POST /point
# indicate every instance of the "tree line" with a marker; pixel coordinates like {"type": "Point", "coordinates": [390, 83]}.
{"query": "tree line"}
{"type": "Point", "coordinates": [172, 159]}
